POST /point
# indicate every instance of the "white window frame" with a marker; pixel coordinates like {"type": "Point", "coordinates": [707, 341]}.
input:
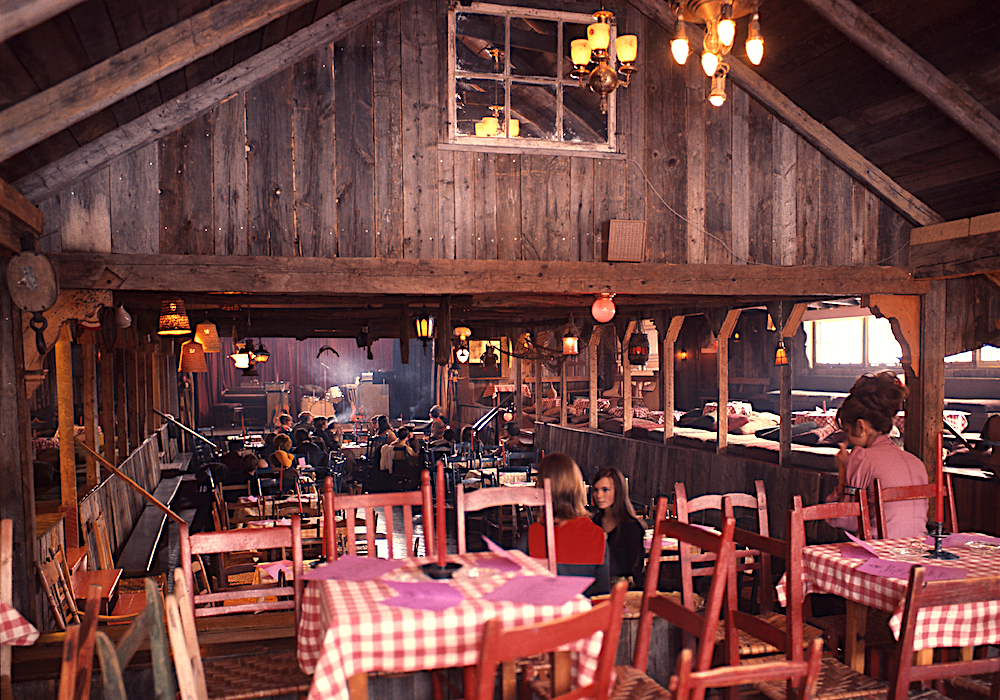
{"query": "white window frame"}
{"type": "Point", "coordinates": [519, 145]}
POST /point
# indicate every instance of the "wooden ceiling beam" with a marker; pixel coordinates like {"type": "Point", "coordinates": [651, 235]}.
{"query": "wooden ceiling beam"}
{"type": "Point", "coordinates": [18, 214]}
{"type": "Point", "coordinates": [910, 67]}
{"type": "Point", "coordinates": [48, 112]}
{"type": "Point", "coordinates": [312, 276]}
{"type": "Point", "coordinates": [811, 130]}
{"type": "Point", "coordinates": [21, 15]}
{"type": "Point", "coordinates": [959, 248]}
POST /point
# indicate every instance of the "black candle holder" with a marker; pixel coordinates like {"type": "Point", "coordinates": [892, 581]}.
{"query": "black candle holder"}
{"type": "Point", "coordinates": [935, 529]}
{"type": "Point", "coordinates": [446, 571]}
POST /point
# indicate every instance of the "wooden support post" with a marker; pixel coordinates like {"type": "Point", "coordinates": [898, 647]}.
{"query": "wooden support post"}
{"type": "Point", "coordinates": [121, 402]}
{"type": "Point", "coordinates": [67, 453]}
{"type": "Point", "coordinates": [933, 328]}
{"type": "Point", "coordinates": [518, 381]}
{"type": "Point", "coordinates": [142, 389]}
{"type": "Point", "coordinates": [107, 412]}
{"type": "Point", "coordinates": [88, 354]}
{"type": "Point", "coordinates": [668, 340]}
{"type": "Point", "coordinates": [156, 379]}
{"type": "Point", "coordinates": [722, 367]}
{"type": "Point", "coordinates": [538, 382]}
{"type": "Point", "coordinates": [563, 398]}
{"type": "Point", "coordinates": [627, 379]}
{"type": "Point", "coordinates": [595, 343]}
{"type": "Point", "coordinates": [790, 317]}
{"type": "Point", "coordinates": [132, 388]}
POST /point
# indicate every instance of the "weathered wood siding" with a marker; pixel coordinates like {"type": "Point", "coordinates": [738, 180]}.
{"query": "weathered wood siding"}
{"type": "Point", "coordinates": [339, 156]}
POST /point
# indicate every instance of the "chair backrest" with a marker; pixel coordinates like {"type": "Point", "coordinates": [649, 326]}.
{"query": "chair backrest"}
{"type": "Point", "coordinates": [104, 559]}
{"type": "Point", "coordinates": [367, 504]}
{"type": "Point", "coordinates": [503, 645]}
{"type": "Point", "coordinates": [58, 589]}
{"type": "Point", "coordinates": [78, 651]}
{"type": "Point", "coordinates": [924, 594]}
{"type": "Point", "coordinates": [147, 625]}
{"type": "Point", "coordinates": [184, 642]}
{"type": "Point", "coordinates": [704, 624]}
{"type": "Point", "coordinates": [889, 494]}
{"type": "Point", "coordinates": [244, 539]}
{"type": "Point", "coordinates": [858, 508]}
{"type": "Point", "coordinates": [481, 499]}
{"type": "Point", "coordinates": [691, 685]}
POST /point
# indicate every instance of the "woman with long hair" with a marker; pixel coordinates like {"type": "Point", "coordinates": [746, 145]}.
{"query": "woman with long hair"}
{"type": "Point", "coordinates": [615, 515]}
{"type": "Point", "coordinates": [581, 548]}
{"type": "Point", "coordinates": [866, 418]}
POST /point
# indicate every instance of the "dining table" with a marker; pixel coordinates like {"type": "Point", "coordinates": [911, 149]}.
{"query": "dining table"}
{"type": "Point", "coordinates": [15, 630]}
{"type": "Point", "coordinates": [349, 628]}
{"type": "Point", "coordinates": [874, 574]}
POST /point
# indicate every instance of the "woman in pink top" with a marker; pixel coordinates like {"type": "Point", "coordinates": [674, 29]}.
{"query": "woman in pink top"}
{"type": "Point", "coordinates": [866, 417]}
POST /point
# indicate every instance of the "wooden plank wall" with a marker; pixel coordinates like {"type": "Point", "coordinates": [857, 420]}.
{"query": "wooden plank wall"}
{"type": "Point", "coordinates": [338, 156]}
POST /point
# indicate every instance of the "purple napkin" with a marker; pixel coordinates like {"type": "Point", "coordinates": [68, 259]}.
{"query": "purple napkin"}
{"type": "Point", "coordinates": [423, 595]}
{"type": "Point", "coordinates": [502, 559]}
{"type": "Point", "coordinates": [352, 568]}
{"type": "Point", "coordinates": [861, 543]}
{"type": "Point", "coordinates": [852, 551]}
{"type": "Point", "coordinates": [540, 590]}
{"type": "Point", "coordinates": [889, 568]}
{"type": "Point", "coordinates": [274, 568]}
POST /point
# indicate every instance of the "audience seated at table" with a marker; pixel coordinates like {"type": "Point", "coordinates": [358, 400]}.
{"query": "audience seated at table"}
{"type": "Point", "coordinates": [233, 457]}
{"type": "Point", "coordinates": [866, 417]}
{"type": "Point", "coordinates": [438, 425]}
{"type": "Point", "coordinates": [581, 547]}
{"type": "Point", "coordinates": [282, 458]}
{"type": "Point", "coordinates": [305, 423]}
{"type": "Point", "coordinates": [447, 439]}
{"type": "Point", "coordinates": [617, 518]}
{"type": "Point", "coordinates": [330, 440]}
{"type": "Point", "coordinates": [512, 443]}
{"type": "Point", "coordinates": [240, 475]}
{"type": "Point", "coordinates": [285, 424]}
{"type": "Point", "coordinates": [268, 449]}
{"type": "Point", "coordinates": [308, 448]}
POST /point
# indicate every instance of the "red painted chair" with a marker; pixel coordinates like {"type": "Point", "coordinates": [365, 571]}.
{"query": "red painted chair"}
{"type": "Point", "coordinates": [891, 494]}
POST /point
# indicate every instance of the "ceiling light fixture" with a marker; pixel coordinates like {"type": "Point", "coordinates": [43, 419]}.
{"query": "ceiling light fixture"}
{"type": "Point", "coordinates": [603, 308]}
{"type": "Point", "coordinates": [192, 357]}
{"type": "Point", "coordinates": [603, 78]}
{"type": "Point", "coordinates": [638, 346]}
{"type": "Point", "coordinates": [173, 318]}
{"type": "Point", "coordinates": [571, 339]}
{"type": "Point", "coordinates": [462, 344]}
{"type": "Point", "coordinates": [207, 334]}
{"type": "Point", "coordinates": [780, 356]}
{"type": "Point", "coordinates": [425, 327]}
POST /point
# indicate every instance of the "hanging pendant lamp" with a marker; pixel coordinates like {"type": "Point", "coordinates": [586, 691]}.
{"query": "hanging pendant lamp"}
{"type": "Point", "coordinates": [192, 357]}
{"type": "Point", "coordinates": [207, 334]}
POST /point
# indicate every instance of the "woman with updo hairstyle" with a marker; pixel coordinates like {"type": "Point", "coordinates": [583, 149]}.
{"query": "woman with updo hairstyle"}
{"type": "Point", "coordinates": [866, 418]}
{"type": "Point", "coordinates": [615, 515]}
{"type": "Point", "coordinates": [581, 549]}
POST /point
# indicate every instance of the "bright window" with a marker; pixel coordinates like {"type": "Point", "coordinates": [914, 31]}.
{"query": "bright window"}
{"type": "Point", "coordinates": [837, 341]}
{"type": "Point", "coordinates": [883, 348]}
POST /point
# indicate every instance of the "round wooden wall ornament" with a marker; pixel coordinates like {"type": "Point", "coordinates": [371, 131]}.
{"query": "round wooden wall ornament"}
{"type": "Point", "coordinates": [31, 280]}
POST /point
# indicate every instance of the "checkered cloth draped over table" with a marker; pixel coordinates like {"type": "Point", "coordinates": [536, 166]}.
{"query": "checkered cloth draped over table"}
{"type": "Point", "coordinates": [14, 629]}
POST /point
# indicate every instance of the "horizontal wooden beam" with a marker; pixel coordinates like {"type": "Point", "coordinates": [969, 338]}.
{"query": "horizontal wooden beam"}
{"type": "Point", "coordinates": [957, 248]}
{"type": "Point", "coordinates": [17, 214]}
{"type": "Point", "coordinates": [910, 67]}
{"type": "Point", "coordinates": [828, 143]}
{"type": "Point", "coordinates": [47, 113]}
{"type": "Point", "coordinates": [20, 15]}
{"type": "Point", "coordinates": [172, 115]}
{"type": "Point", "coordinates": [355, 276]}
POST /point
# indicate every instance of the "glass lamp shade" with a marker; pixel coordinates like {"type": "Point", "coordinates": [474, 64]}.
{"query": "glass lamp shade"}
{"type": "Point", "coordinates": [717, 97]}
{"type": "Point", "coordinates": [481, 130]}
{"type": "Point", "coordinates": [780, 356]}
{"type": "Point", "coordinates": [727, 29]}
{"type": "Point", "coordinates": [241, 358]}
{"type": "Point", "coordinates": [603, 308]}
{"type": "Point", "coordinates": [515, 129]}
{"type": "Point", "coordinates": [173, 318]}
{"type": "Point", "coordinates": [627, 47]}
{"type": "Point", "coordinates": [571, 344]}
{"type": "Point", "coordinates": [579, 51]}
{"type": "Point", "coordinates": [207, 334]}
{"type": "Point", "coordinates": [262, 355]}
{"type": "Point", "coordinates": [192, 357]}
{"type": "Point", "coordinates": [491, 125]}
{"type": "Point", "coordinates": [425, 327]}
{"type": "Point", "coordinates": [462, 355]}
{"type": "Point", "coordinates": [755, 42]}
{"type": "Point", "coordinates": [599, 36]}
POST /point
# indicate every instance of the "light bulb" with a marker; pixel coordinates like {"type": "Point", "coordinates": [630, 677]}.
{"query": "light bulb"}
{"type": "Point", "coordinates": [491, 125]}
{"type": "Point", "coordinates": [599, 36]}
{"type": "Point", "coordinates": [726, 28]}
{"type": "Point", "coordinates": [627, 47]}
{"type": "Point", "coordinates": [579, 50]}
{"type": "Point", "coordinates": [462, 355]}
{"type": "Point", "coordinates": [709, 62]}
{"type": "Point", "coordinates": [679, 45]}
{"type": "Point", "coordinates": [717, 97]}
{"type": "Point", "coordinates": [515, 128]}
{"type": "Point", "coordinates": [755, 42]}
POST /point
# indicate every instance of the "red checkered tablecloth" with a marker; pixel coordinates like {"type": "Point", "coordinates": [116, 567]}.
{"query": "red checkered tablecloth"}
{"type": "Point", "coordinates": [14, 629]}
{"type": "Point", "coordinates": [824, 570]}
{"type": "Point", "coordinates": [345, 628]}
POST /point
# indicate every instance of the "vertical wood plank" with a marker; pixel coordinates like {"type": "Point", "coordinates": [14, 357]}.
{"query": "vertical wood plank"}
{"type": "Point", "coordinates": [668, 341]}
{"type": "Point", "coordinates": [933, 322]}
{"type": "Point", "coordinates": [465, 208]}
{"type": "Point", "coordinates": [614, 195]}
{"type": "Point", "coordinates": [421, 128]}
{"type": "Point", "coordinates": [808, 201]}
{"type": "Point", "coordinates": [107, 412]}
{"type": "Point", "coordinates": [718, 182]}
{"type": "Point", "coordinates": [141, 389]}
{"type": "Point", "coordinates": [893, 238]}
{"type": "Point", "coordinates": [485, 206]}
{"type": "Point", "coordinates": [695, 116]}
{"type": "Point", "coordinates": [67, 453]}
{"type": "Point", "coordinates": [785, 176]}
{"type": "Point", "coordinates": [387, 101]}
{"type": "Point", "coordinates": [51, 240]}
{"type": "Point", "coordinates": [627, 380]}
{"type": "Point", "coordinates": [88, 360]}
{"type": "Point", "coordinates": [632, 116]}
{"type": "Point", "coordinates": [85, 215]}
{"type": "Point", "coordinates": [582, 208]}
{"type": "Point", "coordinates": [121, 401]}
{"type": "Point", "coordinates": [229, 180]}
{"type": "Point", "coordinates": [595, 342]}
{"type": "Point", "coordinates": [563, 396]}
{"type": "Point", "coordinates": [508, 203]}
{"type": "Point", "coordinates": [270, 176]}
{"type": "Point", "coordinates": [132, 387]}
{"type": "Point", "coordinates": [446, 203]}
{"type": "Point", "coordinates": [315, 202]}
{"type": "Point", "coordinates": [545, 233]}
{"type": "Point", "coordinates": [761, 186]}
{"type": "Point", "coordinates": [835, 223]}
{"type": "Point", "coordinates": [722, 376]}
{"type": "Point", "coordinates": [740, 216]}
{"type": "Point", "coordinates": [135, 193]}
{"type": "Point", "coordinates": [186, 171]}
{"type": "Point", "coordinates": [872, 203]}
{"type": "Point", "coordinates": [859, 222]}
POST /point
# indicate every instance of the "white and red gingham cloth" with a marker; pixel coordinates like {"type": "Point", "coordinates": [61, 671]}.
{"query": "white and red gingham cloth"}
{"type": "Point", "coordinates": [824, 570]}
{"type": "Point", "coordinates": [14, 629]}
{"type": "Point", "coordinates": [345, 629]}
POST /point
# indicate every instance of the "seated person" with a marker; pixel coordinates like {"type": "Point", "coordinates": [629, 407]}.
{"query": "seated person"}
{"type": "Point", "coordinates": [284, 424]}
{"type": "Point", "coordinates": [581, 548]}
{"type": "Point", "coordinates": [512, 443]}
{"type": "Point", "coordinates": [446, 440]}
{"type": "Point", "coordinates": [282, 457]}
{"type": "Point", "coordinates": [382, 434]}
{"type": "Point", "coordinates": [617, 518]}
{"type": "Point", "coordinates": [240, 475]}
{"type": "Point", "coordinates": [268, 449]}
{"type": "Point", "coordinates": [305, 423]}
{"type": "Point", "coordinates": [438, 425]}
{"type": "Point", "coordinates": [305, 447]}
{"type": "Point", "coordinates": [322, 433]}
{"type": "Point", "coordinates": [234, 456]}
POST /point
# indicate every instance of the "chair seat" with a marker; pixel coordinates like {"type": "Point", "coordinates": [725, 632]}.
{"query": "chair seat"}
{"type": "Point", "coordinates": [751, 646]}
{"type": "Point", "coordinates": [633, 684]}
{"type": "Point", "coordinates": [980, 684]}
{"type": "Point", "coordinates": [837, 681]}
{"type": "Point", "coordinates": [255, 676]}
{"type": "Point", "coordinates": [877, 632]}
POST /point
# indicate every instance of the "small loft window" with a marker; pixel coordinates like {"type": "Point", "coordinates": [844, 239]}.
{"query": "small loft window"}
{"type": "Point", "coordinates": [509, 72]}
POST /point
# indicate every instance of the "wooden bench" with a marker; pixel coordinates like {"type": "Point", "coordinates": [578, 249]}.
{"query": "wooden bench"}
{"type": "Point", "coordinates": [136, 558]}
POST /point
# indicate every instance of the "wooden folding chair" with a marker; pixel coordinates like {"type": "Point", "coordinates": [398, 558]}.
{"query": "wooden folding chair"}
{"type": "Point", "coordinates": [481, 499]}
{"type": "Point", "coordinates": [858, 508]}
{"type": "Point", "coordinates": [58, 586]}
{"type": "Point", "coordinates": [506, 645]}
{"type": "Point", "coordinates": [367, 503]}
{"type": "Point", "coordinates": [262, 674]}
{"type": "Point", "coordinates": [891, 494]}
{"type": "Point", "coordinates": [78, 651]}
{"type": "Point", "coordinates": [245, 598]}
{"type": "Point", "coordinates": [925, 594]}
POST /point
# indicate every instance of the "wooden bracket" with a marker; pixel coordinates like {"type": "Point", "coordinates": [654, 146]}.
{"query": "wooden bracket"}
{"type": "Point", "coordinates": [903, 312]}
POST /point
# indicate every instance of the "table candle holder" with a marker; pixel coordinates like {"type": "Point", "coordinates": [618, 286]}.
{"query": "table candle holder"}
{"type": "Point", "coordinates": [446, 571]}
{"type": "Point", "coordinates": [935, 530]}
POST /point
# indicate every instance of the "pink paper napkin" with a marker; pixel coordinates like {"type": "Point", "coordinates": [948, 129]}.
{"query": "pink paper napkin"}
{"type": "Point", "coordinates": [853, 551]}
{"type": "Point", "coordinates": [423, 595]}
{"type": "Point", "coordinates": [352, 568]}
{"type": "Point", "coordinates": [861, 543]}
{"type": "Point", "coordinates": [502, 561]}
{"type": "Point", "coordinates": [540, 590]}
{"type": "Point", "coordinates": [889, 568]}
{"type": "Point", "coordinates": [274, 568]}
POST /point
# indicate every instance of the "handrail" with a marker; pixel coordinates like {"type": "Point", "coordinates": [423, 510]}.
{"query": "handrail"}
{"type": "Point", "coordinates": [485, 419]}
{"type": "Point", "coordinates": [152, 499]}
{"type": "Point", "coordinates": [183, 427]}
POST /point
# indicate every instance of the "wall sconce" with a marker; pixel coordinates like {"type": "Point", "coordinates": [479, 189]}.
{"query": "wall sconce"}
{"type": "Point", "coordinates": [425, 327]}
{"type": "Point", "coordinates": [603, 79]}
{"type": "Point", "coordinates": [683, 355]}
{"type": "Point", "coordinates": [508, 416]}
{"type": "Point", "coordinates": [173, 318]}
{"type": "Point", "coordinates": [207, 334]}
{"type": "Point", "coordinates": [780, 356]}
{"type": "Point", "coordinates": [123, 319]}
{"type": "Point", "coordinates": [462, 344]}
{"type": "Point", "coordinates": [571, 340]}
{"type": "Point", "coordinates": [192, 357]}
{"type": "Point", "coordinates": [603, 308]}
{"type": "Point", "coordinates": [638, 347]}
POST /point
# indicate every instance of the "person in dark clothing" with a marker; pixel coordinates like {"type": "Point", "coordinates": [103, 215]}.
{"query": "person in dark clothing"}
{"type": "Point", "coordinates": [617, 518]}
{"type": "Point", "coordinates": [285, 424]}
{"type": "Point", "coordinates": [320, 432]}
{"type": "Point", "coordinates": [239, 475]}
{"type": "Point", "coordinates": [304, 447]}
{"type": "Point", "coordinates": [233, 457]}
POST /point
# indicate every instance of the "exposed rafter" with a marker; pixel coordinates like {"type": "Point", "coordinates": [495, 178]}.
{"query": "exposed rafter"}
{"type": "Point", "coordinates": [913, 69]}
{"type": "Point", "coordinates": [174, 114]}
{"type": "Point", "coordinates": [21, 15]}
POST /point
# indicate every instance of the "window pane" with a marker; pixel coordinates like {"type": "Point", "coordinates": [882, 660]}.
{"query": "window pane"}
{"type": "Point", "coordinates": [883, 348]}
{"type": "Point", "coordinates": [582, 118]}
{"type": "Point", "coordinates": [474, 100]}
{"type": "Point", "coordinates": [960, 357]}
{"type": "Point", "coordinates": [474, 34]}
{"type": "Point", "coordinates": [838, 341]}
{"type": "Point", "coordinates": [534, 46]}
{"type": "Point", "coordinates": [988, 353]}
{"type": "Point", "coordinates": [535, 107]}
